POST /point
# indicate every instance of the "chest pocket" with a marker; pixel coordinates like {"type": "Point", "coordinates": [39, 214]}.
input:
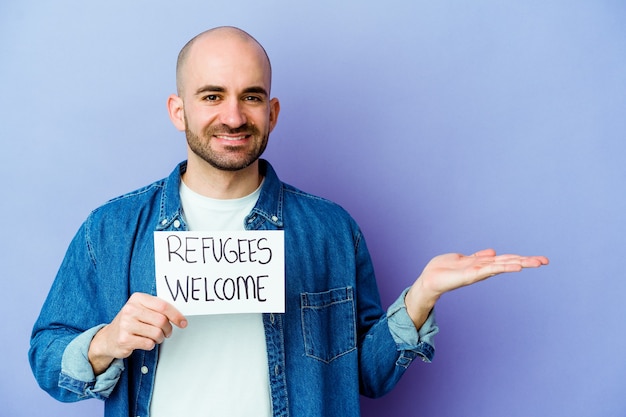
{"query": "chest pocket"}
{"type": "Point", "coordinates": [328, 323]}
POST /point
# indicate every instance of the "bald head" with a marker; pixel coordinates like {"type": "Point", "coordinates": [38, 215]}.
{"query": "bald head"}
{"type": "Point", "coordinates": [215, 37]}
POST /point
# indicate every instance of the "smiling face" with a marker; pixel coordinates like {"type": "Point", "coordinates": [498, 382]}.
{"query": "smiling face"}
{"type": "Point", "coordinates": [224, 105]}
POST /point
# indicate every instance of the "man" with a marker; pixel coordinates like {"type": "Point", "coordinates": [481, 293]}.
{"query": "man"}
{"type": "Point", "coordinates": [103, 333]}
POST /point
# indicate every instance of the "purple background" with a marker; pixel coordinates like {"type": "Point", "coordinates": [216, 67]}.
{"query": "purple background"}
{"type": "Point", "coordinates": [442, 126]}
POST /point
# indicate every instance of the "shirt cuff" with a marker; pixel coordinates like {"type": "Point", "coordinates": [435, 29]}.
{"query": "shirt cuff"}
{"type": "Point", "coordinates": [77, 374]}
{"type": "Point", "coordinates": [404, 333]}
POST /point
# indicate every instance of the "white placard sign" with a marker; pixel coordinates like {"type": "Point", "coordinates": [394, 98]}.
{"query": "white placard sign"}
{"type": "Point", "coordinates": [221, 272]}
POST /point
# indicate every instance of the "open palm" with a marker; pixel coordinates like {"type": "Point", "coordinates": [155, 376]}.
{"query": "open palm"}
{"type": "Point", "coordinates": [451, 271]}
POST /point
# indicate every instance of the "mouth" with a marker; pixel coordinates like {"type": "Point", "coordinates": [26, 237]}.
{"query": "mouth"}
{"type": "Point", "coordinates": [232, 138]}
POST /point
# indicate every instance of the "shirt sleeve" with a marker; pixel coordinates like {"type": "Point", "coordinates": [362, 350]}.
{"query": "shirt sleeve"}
{"type": "Point", "coordinates": [77, 374]}
{"type": "Point", "coordinates": [404, 333]}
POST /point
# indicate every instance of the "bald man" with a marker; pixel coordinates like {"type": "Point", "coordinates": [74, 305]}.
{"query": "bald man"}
{"type": "Point", "coordinates": [103, 333]}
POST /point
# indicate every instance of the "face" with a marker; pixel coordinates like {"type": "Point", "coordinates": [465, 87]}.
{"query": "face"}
{"type": "Point", "coordinates": [224, 106]}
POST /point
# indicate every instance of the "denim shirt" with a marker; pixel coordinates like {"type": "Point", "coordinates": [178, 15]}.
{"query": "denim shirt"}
{"type": "Point", "coordinates": [333, 342]}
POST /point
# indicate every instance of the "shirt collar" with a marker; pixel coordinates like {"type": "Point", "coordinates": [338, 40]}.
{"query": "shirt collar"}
{"type": "Point", "coordinates": [269, 206]}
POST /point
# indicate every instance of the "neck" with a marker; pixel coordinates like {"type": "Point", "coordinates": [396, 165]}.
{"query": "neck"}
{"type": "Point", "coordinates": [211, 182]}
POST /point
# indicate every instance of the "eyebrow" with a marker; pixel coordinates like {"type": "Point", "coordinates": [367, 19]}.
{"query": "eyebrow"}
{"type": "Point", "coordinates": [219, 89]}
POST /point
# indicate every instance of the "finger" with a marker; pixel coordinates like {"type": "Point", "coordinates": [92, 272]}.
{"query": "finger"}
{"type": "Point", "coordinates": [492, 269]}
{"type": "Point", "coordinates": [485, 252]}
{"type": "Point", "coordinates": [534, 261]}
{"type": "Point", "coordinates": [542, 259]}
{"type": "Point", "coordinates": [160, 306]}
{"type": "Point", "coordinates": [525, 261]}
{"type": "Point", "coordinates": [144, 337]}
{"type": "Point", "coordinates": [150, 334]}
{"type": "Point", "coordinates": [173, 315]}
{"type": "Point", "coordinates": [154, 320]}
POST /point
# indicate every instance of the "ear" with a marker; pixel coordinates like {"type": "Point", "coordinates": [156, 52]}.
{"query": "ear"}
{"type": "Point", "coordinates": [274, 110]}
{"type": "Point", "coordinates": [176, 111]}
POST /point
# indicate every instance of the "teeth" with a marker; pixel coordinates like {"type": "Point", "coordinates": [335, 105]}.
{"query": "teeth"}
{"type": "Point", "coordinates": [231, 137]}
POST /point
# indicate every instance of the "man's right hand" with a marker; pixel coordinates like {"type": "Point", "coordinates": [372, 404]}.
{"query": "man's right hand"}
{"type": "Point", "coordinates": [144, 322]}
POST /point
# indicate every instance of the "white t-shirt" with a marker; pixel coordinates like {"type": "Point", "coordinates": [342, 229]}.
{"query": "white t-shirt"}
{"type": "Point", "coordinates": [218, 365]}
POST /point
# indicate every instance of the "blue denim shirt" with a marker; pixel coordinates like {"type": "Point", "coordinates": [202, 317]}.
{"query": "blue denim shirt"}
{"type": "Point", "coordinates": [333, 342]}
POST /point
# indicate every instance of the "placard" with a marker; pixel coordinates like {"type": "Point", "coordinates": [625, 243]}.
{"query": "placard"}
{"type": "Point", "coordinates": [221, 272]}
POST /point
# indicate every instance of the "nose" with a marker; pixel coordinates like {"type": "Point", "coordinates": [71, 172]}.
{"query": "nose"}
{"type": "Point", "coordinates": [232, 114]}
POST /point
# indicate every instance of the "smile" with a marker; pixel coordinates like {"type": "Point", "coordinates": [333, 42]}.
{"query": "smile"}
{"type": "Point", "coordinates": [231, 138]}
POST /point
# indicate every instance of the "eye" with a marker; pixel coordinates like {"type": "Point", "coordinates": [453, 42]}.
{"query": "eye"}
{"type": "Point", "coordinates": [211, 97]}
{"type": "Point", "coordinates": [252, 98]}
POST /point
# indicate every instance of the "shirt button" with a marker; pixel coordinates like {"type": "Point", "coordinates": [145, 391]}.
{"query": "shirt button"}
{"type": "Point", "coordinates": [164, 222]}
{"type": "Point", "coordinates": [274, 218]}
{"type": "Point", "coordinates": [176, 224]}
{"type": "Point", "coordinates": [272, 318]}
{"type": "Point", "coordinates": [144, 370]}
{"type": "Point", "coordinates": [276, 370]}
